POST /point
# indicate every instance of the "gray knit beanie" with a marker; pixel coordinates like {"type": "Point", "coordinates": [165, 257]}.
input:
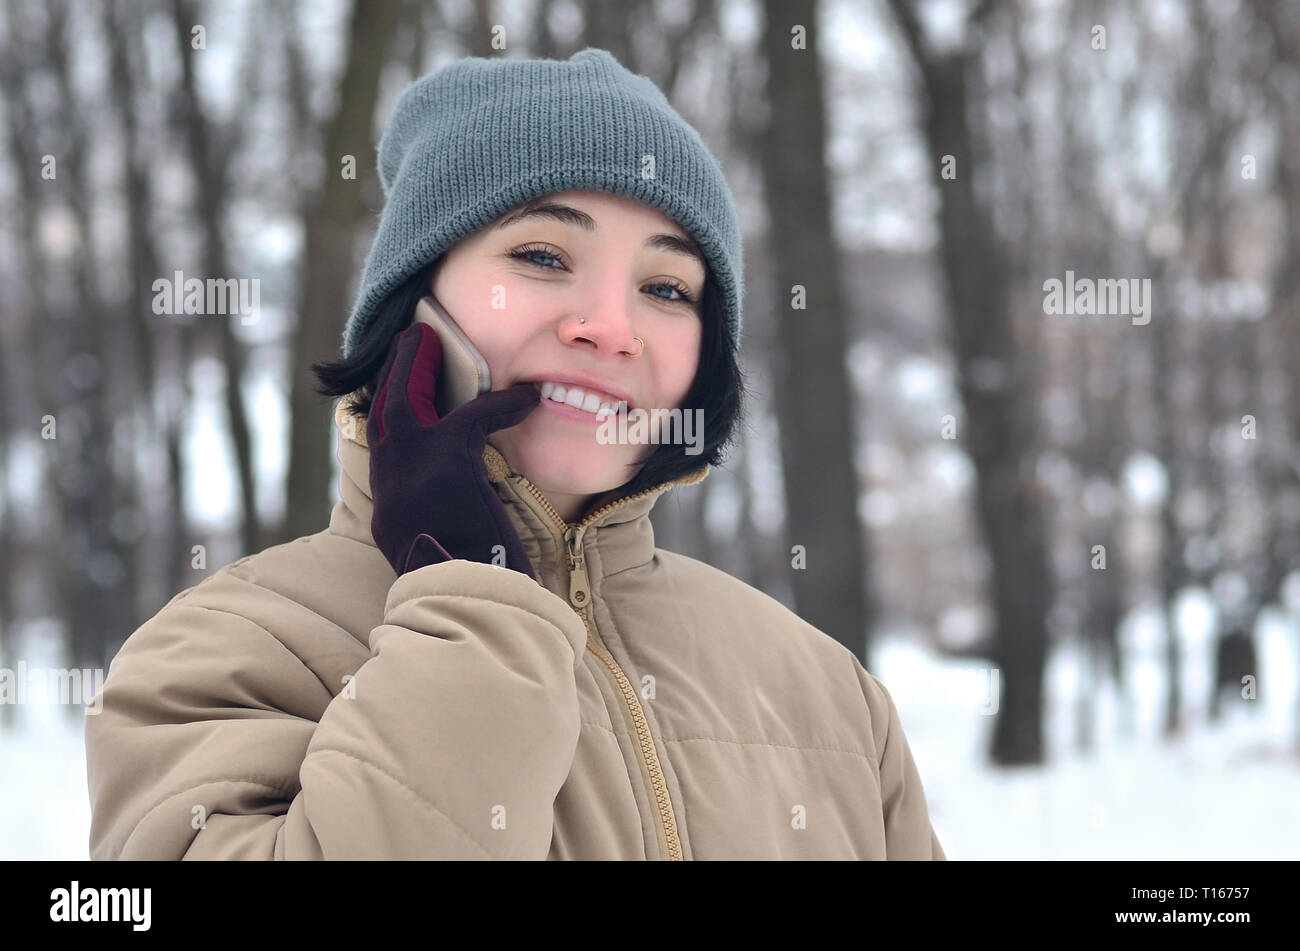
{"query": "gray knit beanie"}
{"type": "Point", "coordinates": [470, 141]}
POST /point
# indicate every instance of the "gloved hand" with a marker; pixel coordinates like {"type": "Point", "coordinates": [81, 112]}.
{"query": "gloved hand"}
{"type": "Point", "coordinates": [433, 501]}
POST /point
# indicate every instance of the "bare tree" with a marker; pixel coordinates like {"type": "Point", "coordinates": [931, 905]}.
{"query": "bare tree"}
{"type": "Point", "coordinates": [331, 215]}
{"type": "Point", "coordinates": [609, 26]}
{"type": "Point", "coordinates": [993, 381]}
{"type": "Point", "coordinates": [209, 148]}
{"type": "Point", "coordinates": [817, 436]}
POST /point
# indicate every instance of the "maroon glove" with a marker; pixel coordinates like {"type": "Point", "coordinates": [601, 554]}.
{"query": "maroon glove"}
{"type": "Point", "coordinates": [433, 501]}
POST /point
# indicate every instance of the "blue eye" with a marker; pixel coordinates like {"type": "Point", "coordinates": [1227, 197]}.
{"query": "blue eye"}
{"type": "Point", "coordinates": [526, 254]}
{"type": "Point", "coordinates": [683, 295]}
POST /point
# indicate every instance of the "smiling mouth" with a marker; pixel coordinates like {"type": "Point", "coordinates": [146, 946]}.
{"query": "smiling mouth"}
{"type": "Point", "coordinates": [594, 403]}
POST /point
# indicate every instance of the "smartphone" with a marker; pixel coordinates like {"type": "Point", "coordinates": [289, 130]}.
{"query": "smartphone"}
{"type": "Point", "coordinates": [464, 374]}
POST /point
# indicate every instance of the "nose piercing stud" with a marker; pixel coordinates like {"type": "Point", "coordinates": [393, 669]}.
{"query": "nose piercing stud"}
{"type": "Point", "coordinates": [583, 320]}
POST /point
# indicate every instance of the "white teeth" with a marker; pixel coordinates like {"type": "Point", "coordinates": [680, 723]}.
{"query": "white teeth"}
{"type": "Point", "coordinates": [575, 397]}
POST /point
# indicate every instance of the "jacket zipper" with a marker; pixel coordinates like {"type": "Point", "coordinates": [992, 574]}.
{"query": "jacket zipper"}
{"type": "Point", "coordinates": [580, 599]}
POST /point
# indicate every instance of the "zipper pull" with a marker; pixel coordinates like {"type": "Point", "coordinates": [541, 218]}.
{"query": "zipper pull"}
{"type": "Point", "coordinates": [579, 585]}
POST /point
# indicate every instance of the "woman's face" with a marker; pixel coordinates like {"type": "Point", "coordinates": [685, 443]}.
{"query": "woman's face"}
{"type": "Point", "coordinates": [518, 288]}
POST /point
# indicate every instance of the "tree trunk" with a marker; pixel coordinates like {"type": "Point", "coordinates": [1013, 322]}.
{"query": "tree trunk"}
{"type": "Point", "coordinates": [209, 149]}
{"type": "Point", "coordinates": [1000, 432]}
{"type": "Point", "coordinates": [330, 222]}
{"type": "Point", "coordinates": [814, 399]}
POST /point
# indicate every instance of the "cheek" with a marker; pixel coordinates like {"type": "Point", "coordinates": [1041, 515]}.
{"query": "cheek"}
{"type": "Point", "coordinates": [679, 368]}
{"type": "Point", "coordinates": [469, 289]}
{"type": "Point", "coordinates": [498, 338]}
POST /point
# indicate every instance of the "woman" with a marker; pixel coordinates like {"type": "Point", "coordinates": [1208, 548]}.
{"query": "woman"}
{"type": "Point", "coordinates": [485, 655]}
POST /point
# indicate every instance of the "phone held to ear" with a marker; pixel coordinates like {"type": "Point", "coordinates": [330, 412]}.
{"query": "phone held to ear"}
{"type": "Point", "coordinates": [464, 374]}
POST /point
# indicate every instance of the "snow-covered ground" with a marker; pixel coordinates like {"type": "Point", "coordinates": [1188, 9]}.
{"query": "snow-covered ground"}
{"type": "Point", "coordinates": [1227, 792]}
{"type": "Point", "coordinates": [44, 808]}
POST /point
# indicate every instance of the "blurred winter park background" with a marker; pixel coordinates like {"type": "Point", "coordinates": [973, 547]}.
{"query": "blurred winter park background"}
{"type": "Point", "coordinates": [1021, 324]}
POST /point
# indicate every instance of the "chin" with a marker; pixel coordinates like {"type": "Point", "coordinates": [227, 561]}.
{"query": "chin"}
{"type": "Point", "coordinates": [564, 459]}
{"type": "Point", "coordinates": [552, 469]}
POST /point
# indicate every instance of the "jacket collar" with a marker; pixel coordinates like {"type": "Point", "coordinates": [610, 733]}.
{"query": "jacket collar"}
{"type": "Point", "coordinates": [618, 533]}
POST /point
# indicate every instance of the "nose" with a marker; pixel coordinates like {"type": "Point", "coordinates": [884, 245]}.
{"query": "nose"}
{"type": "Point", "coordinates": [603, 325]}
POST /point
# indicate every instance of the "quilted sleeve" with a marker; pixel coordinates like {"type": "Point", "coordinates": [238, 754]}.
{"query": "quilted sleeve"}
{"type": "Point", "coordinates": [908, 833]}
{"type": "Point", "coordinates": [215, 740]}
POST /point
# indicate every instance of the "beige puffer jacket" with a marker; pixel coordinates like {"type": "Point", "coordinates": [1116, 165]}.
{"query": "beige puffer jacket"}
{"type": "Point", "coordinates": [303, 703]}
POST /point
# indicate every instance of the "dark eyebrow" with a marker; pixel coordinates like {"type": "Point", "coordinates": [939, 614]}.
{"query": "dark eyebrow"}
{"type": "Point", "coordinates": [565, 214]}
